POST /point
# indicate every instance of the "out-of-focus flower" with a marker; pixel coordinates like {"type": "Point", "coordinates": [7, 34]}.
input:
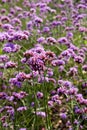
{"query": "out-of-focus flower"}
{"type": "Point", "coordinates": [39, 95]}
{"type": "Point", "coordinates": [63, 116]}
{"type": "Point", "coordinates": [22, 129]}
{"type": "Point", "coordinates": [79, 59]}
{"type": "Point", "coordinates": [21, 109]}
{"type": "Point", "coordinates": [19, 95]}
{"type": "Point", "coordinates": [40, 113]}
{"type": "Point", "coordinates": [51, 40]}
{"type": "Point", "coordinates": [10, 64]}
{"type": "Point", "coordinates": [63, 40]}
{"type": "Point", "coordinates": [3, 58]}
{"type": "Point", "coordinates": [11, 47]}
{"type": "Point", "coordinates": [46, 29]}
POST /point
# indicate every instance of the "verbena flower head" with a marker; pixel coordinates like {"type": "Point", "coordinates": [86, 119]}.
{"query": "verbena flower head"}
{"type": "Point", "coordinates": [10, 64]}
{"type": "Point", "coordinates": [46, 29]}
{"type": "Point", "coordinates": [3, 58]}
{"type": "Point", "coordinates": [63, 116]}
{"type": "Point", "coordinates": [19, 95]}
{"type": "Point", "coordinates": [20, 109]}
{"type": "Point", "coordinates": [41, 114]}
{"type": "Point", "coordinates": [39, 95]}
{"type": "Point", "coordinates": [11, 47]}
{"type": "Point", "coordinates": [41, 40]}
{"type": "Point", "coordinates": [22, 129]}
{"type": "Point", "coordinates": [62, 40]}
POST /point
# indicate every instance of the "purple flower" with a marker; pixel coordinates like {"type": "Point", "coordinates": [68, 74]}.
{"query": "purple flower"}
{"type": "Point", "coordinates": [10, 98]}
{"type": "Point", "coordinates": [29, 25]}
{"type": "Point", "coordinates": [22, 129]}
{"type": "Point", "coordinates": [11, 47]}
{"type": "Point", "coordinates": [15, 21]}
{"type": "Point", "coordinates": [46, 29]}
{"type": "Point", "coordinates": [38, 20]}
{"type": "Point", "coordinates": [41, 40]}
{"type": "Point", "coordinates": [79, 59]}
{"type": "Point", "coordinates": [51, 40]}
{"type": "Point", "coordinates": [61, 90]}
{"type": "Point", "coordinates": [62, 40]}
{"type": "Point", "coordinates": [3, 58]}
{"type": "Point", "coordinates": [23, 60]}
{"type": "Point", "coordinates": [67, 84]}
{"type": "Point", "coordinates": [5, 124]}
{"type": "Point", "coordinates": [19, 95]}
{"type": "Point", "coordinates": [56, 23]}
{"type": "Point", "coordinates": [21, 76]}
{"type": "Point", "coordinates": [55, 98]}
{"type": "Point", "coordinates": [41, 79]}
{"type": "Point", "coordinates": [84, 67]}
{"type": "Point", "coordinates": [3, 95]}
{"type": "Point", "coordinates": [5, 19]}
{"type": "Point", "coordinates": [7, 26]}
{"type": "Point", "coordinates": [50, 103]}
{"type": "Point", "coordinates": [36, 64]}
{"type": "Point", "coordinates": [72, 91]}
{"type": "Point", "coordinates": [40, 113]}
{"type": "Point", "coordinates": [60, 62]}
{"type": "Point", "coordinates": [50, 80]}
{"type": "Point", "coordinates": [10, 110]}
{"type": "Point", "coordinates": [76, 122]}
{"type": "Point", "coordinates": [49, 72]}
{"type": "Point", "coordinates": [32, 104]}
{"type": "Point", "coordinates": [69, 35]}
{"type": "Point", "coordinates": [77, 110]}
{"type": "Point", "coordinates": [82, 29]}
{"type": "Point", "coordinates": [81, 6]}
{"type": "Point", "coordinates": [10, 64]}
{"type": "Point", "coordinates": [57, 62]}
{"type": "Point", "coordinates": [63, 116]}
{"type": "Point", "coordinates": [61, 68]}
{"type": "Point", "coordinates": [3, 11]}
{"type": "Point", "coordinates": [3, 36]}
{"type": "Point", "coordinates": [69, 29]}
{"type": "Point", "coordinates": [15, 82]}
{"type": "Point", "coordinates": [66, 54]}
{"type": "Point", "coordinates": [84, 84]}
{"type": "Point", "coordinates": [73, 71]}
{"type": "Point", "coordinates": [21, 109]}
{"type": "Point", "coordinates": [39, 95]}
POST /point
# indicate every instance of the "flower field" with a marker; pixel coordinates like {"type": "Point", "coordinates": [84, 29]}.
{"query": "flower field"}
{"type": "Point", "coordinates": [43, 65]}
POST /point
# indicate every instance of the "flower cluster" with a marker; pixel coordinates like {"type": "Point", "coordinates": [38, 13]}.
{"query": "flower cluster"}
{"type": "Point", "coordinates": [43, 65]}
